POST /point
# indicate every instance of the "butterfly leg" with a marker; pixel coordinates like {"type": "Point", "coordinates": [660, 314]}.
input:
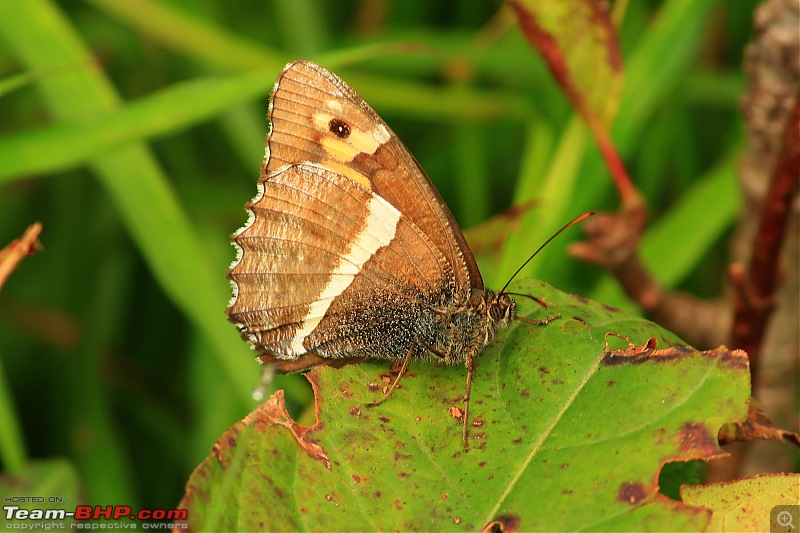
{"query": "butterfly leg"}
{"type": "Point", "coordinates": [397, 379]}
{"type": "Point", "coordinates": [470, 370]}
{"type": "Point", "coordinates": [404, 367]}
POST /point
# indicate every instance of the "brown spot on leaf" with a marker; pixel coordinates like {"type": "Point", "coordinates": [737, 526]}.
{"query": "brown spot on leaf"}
{"type": "Point", "coordinates": [384, 419]}
{"type": "Point", "coordinates": [444, 496]}
{"type": "Point", "coordinates": [400, 456]}
{"type": "Point", "coordinates": [502, 524]}
{"type": "Point", "coordinates": [478, 422]}
{"type": "Point", "coordinates": [631, 493]}
{"type": "Point", "coordinates": [736, 359]}
{"type": "Point", "coordinates": [694, 436]}
{"type": "Point", "coordinates": [355, 411]}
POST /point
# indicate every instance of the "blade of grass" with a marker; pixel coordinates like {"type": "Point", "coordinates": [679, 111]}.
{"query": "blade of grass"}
{"type": "Point", "coordinates": [65, 145]}
{"type": "Point", "coordinates": [12, 83]}
{"type": "Point", "coordinates": [202, 40]}
{"type": "Point", "coordinates": [43, 39]}
{"type": "Point", "coordinates": [659, 62]}
{"type": "Point", "coordinates": [473, 192]}
{"type": "Point", "coordinates": [458, 104]}
{"type": "Point", "coordinates": [554, 189]}
{"type": "Point", "coordinates": [12, 446]}
{"type": "Point", "coordinates": [213, 46]}
{"type": "Point", "coordinates": [245, 127]}
{"type": "Point", "coordinates": [306, 14]}
{"type": "Point", "coordinates": [98, 448]}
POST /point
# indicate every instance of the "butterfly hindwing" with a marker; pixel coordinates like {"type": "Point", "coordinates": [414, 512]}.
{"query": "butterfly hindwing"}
{"type": "Point", "coordinates": [305, 261]}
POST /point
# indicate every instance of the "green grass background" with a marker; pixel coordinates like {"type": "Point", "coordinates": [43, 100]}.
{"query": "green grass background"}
{"type": "Point", "coordinates": [134, 131]}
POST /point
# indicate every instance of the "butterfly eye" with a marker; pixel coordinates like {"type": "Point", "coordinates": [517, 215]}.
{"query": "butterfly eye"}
{"type": "Point", "coordinates": [339, 127]}
{"type": "Point", "coordinates": [496, 311]}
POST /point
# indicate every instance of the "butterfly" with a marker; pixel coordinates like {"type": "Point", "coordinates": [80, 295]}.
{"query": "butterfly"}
{"type": "Point", "coordinates": [349, 253]}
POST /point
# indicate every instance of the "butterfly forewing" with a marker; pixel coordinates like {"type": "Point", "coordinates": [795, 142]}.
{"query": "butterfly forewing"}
{"type": "Point", "coordinates": [308, 102]}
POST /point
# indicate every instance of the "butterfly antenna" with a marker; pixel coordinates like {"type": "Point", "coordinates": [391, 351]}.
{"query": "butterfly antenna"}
{"type": "Point", "coordinates": [553, 236]}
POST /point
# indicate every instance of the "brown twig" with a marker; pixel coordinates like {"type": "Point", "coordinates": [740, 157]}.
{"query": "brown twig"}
{"type": "Point", "coordinates": [17, 250]}
{"type": "Point", "coordinates": [755, 287]}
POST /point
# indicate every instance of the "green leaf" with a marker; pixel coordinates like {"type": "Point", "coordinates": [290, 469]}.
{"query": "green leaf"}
{"type": "Point", "coordinates": [748, 504]}
{"type": "Point", "coordinates": [579, 43]}
{"type": "Point", "coordinates": [570, 428]}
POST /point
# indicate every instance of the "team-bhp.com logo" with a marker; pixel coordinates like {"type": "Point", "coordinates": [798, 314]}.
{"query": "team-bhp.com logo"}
{"type": "Point", "coordinates": [85, 517]}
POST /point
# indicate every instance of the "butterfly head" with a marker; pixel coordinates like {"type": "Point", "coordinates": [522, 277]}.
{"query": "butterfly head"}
{"type": "Point", "coordinates": [500, 308]}
{"type": "Point", "coordinates": [493, 311]}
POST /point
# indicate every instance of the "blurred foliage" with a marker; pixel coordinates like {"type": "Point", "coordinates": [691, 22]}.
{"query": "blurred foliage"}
{"type": "Point", "coordinates": [134, 131]}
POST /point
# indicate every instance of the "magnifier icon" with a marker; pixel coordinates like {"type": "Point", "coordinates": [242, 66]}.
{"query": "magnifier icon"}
{"type": "Point", "coordinates": [784, 519]}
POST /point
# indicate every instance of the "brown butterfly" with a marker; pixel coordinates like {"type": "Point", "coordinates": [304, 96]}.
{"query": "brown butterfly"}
{"type": "Point", "coordinates": [350, 254]}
